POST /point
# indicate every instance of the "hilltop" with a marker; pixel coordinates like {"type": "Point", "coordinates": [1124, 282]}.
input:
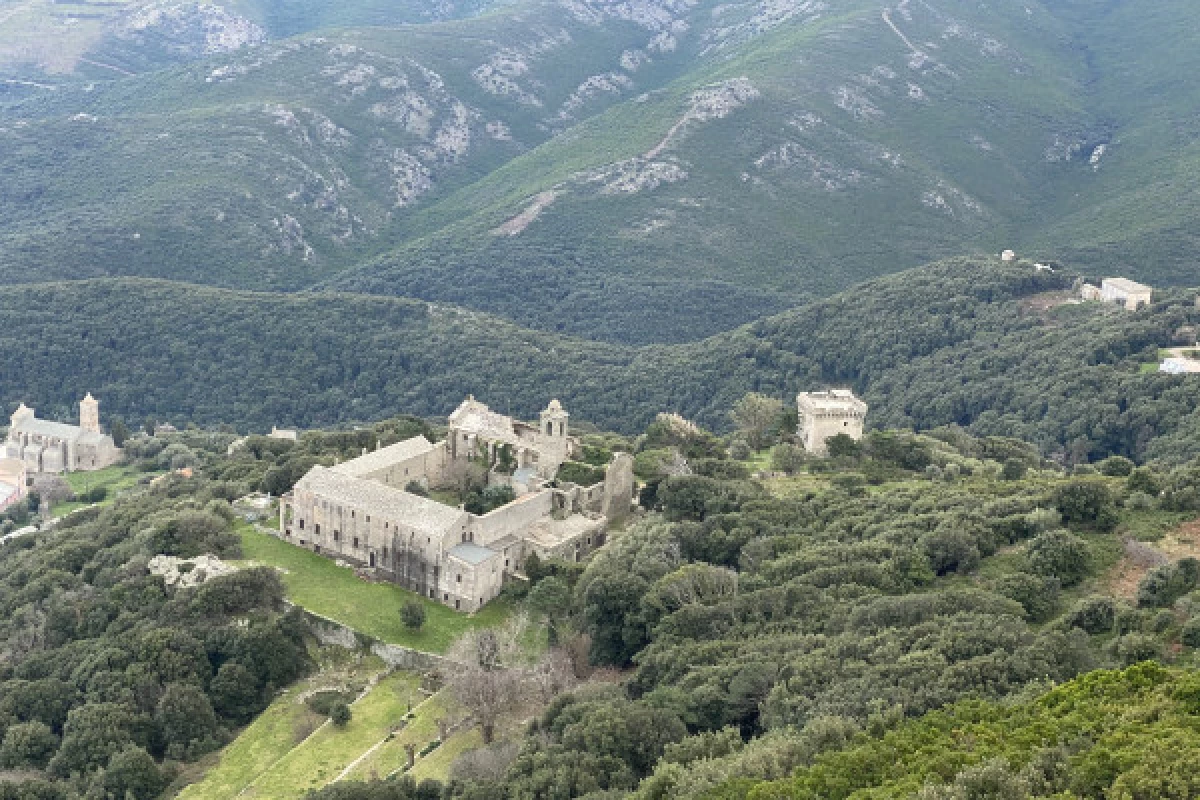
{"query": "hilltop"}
{"type": "Point", "coordinates": [579, 166]}
{"type": "Point", "coordinates": [969, 342]}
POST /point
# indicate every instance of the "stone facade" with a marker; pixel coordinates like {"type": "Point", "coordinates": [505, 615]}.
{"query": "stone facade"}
{"type": "Point", "coordinates": [13, 480]}
{"type": "Point", "coordinates": [1123, 292]}
{"type": "Point", "coordinates": [55, 447]}
{"type": "Point", "coordinates": [363, 512]}
{"type": "Point", "coordinates": [823, 415]}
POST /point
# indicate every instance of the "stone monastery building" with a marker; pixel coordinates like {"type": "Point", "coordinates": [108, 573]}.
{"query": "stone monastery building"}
{"type": "Point", "coordinates": [361, 512]}
{"type": "Point", "coordinates": [1123, 292]}
{"type": "Point", "coordinates": [47, 446]}
{"type": "Point", "coordinates": [823, 415]}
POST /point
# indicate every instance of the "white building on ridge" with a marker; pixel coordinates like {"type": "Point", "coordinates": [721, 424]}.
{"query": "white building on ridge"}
{"type": "Point", "coordinates": [823, 415]}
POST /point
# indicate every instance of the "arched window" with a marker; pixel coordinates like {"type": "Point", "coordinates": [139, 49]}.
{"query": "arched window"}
{"type": "Point", "coordinates": [549, 428]}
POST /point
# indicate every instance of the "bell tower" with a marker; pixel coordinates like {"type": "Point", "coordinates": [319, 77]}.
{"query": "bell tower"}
{"type": "Point", "coordinates": [554, 421]}
{"type": "Point", "coordinates": [89, 414]}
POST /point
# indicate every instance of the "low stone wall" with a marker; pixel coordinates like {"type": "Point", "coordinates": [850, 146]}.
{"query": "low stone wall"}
{"type": "Point", "coordinates": [333, 633]}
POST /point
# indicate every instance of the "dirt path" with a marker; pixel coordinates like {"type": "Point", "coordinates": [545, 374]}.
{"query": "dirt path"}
{"type": "Point", "coordinates": [346, 772]}
{"type": "Point", "coordinates": [1141, 557]}
{"type": "Point", "coordinates": [102, 65]}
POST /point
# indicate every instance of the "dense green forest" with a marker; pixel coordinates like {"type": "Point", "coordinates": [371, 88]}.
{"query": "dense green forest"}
{"type": "Point", "coordinates": [886, 622]}
{"type": "Point", "coordinates": [807, 632]}
{"type": "Point", "coordinates": [111, 679]}
{"type": "Point", "coordinates": [968, 342]}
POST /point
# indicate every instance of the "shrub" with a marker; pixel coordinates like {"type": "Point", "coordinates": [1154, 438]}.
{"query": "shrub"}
{"type": "Point", "coordinates": [1140, 501]}
{"type": "Point", "coordinates": [787, 458]}
{"type": "Point", "coordinates": [1143, 480]}
{"type": "Point", "coordinates": [1014, 469]}
{"type": "Point", "coordinates": [950, 550]}
{"type": "Point", "coordinates": [1037, 594]}
{"type": "Point", "coordinates": [1059, 554]}
{"type": "Point", "coordinates": [412, 614]}
{"type": "Point", "coordinates": [1135, 647]}
{"type": "Point", "coordinates": [843, 446]}
{"type": "Point", "coordinates": [339, 714]}
{"type": "Point", "coordinates": [1087, 502]}
{"type": "Point", "coordinates": [739, 450]}
{"type": "Point", "coordinates": [1190, 635]}
{"type": "Point", "coordinates": [1094, 615]}
{"type": "Point", "coordinates": [323, 702]}
{"type": "Point", "coordinates": [1163, 585]}
{"type": "Point", "coordinates": [579, 473]}
{"type": "Point", "coordinates": [1116, 467]}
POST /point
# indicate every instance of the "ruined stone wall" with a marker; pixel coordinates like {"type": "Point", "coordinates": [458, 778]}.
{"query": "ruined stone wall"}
{"type": "Point", "coordinates": [332, 633]}
{"type": "Point", "coordinates": [512, 518]}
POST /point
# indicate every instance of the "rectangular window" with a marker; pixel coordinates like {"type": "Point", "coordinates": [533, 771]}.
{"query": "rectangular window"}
{"type": "Point", "coordinates": [301, 524]}
{"type": "Point", "coordinates": [337, 536]}
{"type": "Point", "coordinates": [317, 528]}
{"type": "Point", "coordinates": [356, 541]}
{"type": "Point", "coordinates": [458, 578]}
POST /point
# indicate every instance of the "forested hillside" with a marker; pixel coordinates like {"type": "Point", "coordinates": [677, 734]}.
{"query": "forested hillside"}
{"type": "Point", "coordinates": [915, 616]}
{"type": "Point", "coordinates": [971, 342]}
{"type": "Point", "coordinates": [578, 166]}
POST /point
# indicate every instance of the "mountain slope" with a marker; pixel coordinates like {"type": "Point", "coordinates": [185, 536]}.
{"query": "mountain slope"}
{"type": "Point", "coordinates": [705, 163]}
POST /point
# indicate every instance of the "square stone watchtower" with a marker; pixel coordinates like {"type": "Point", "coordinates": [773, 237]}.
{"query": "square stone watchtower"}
{"type": "Point", "coordinates": [826, 414]}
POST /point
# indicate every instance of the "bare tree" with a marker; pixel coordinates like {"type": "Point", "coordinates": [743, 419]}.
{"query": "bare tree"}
{"type": "Point", "coordinates": [485, 673]}
{"type": "Point", "coordinates": [551, 675]}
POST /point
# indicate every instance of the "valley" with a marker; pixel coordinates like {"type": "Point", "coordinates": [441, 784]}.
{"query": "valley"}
{"type": "Point", "coordinates": [709, 165]}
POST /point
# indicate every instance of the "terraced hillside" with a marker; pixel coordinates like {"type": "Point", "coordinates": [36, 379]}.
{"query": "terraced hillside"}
{"type": "Point", "coordinates": [580, 165]}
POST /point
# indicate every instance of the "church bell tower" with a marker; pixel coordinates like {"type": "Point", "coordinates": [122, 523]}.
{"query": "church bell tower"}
{"type": "Point", "coordinates": [89, 414]}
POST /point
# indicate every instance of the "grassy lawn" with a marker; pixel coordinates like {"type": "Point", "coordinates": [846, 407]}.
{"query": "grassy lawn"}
{"type": "Point", "coordinates": [319, 585]}
{"type": "Point", "coordinates": [421, 730]}
{"type": "Point", "coordinates": [323, 756]}
{"type": "Point", "coordinates": [447, 497]}
{"type": "Point", "coordinates": [1150, 526]}
{"type": "Point", "coordinates": [437, 764]}
{"type": "Point", "coordinates": [286, 723]}
{"type": "Point", "coordinates": [116, 479]}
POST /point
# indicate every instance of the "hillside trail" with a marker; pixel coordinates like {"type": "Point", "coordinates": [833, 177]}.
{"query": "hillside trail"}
{"type": "Point", "coordinates": [366, 754]}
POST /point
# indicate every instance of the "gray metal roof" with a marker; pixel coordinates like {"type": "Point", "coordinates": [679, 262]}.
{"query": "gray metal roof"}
{"type": "Point", "coordinates": [414, 511]}
{"type": "Point", "coordinates": [472, 553]}
{"type": "Point", "coordinates": [45, 427]}
{"type": "Point", "coordinates": [385, 457]}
